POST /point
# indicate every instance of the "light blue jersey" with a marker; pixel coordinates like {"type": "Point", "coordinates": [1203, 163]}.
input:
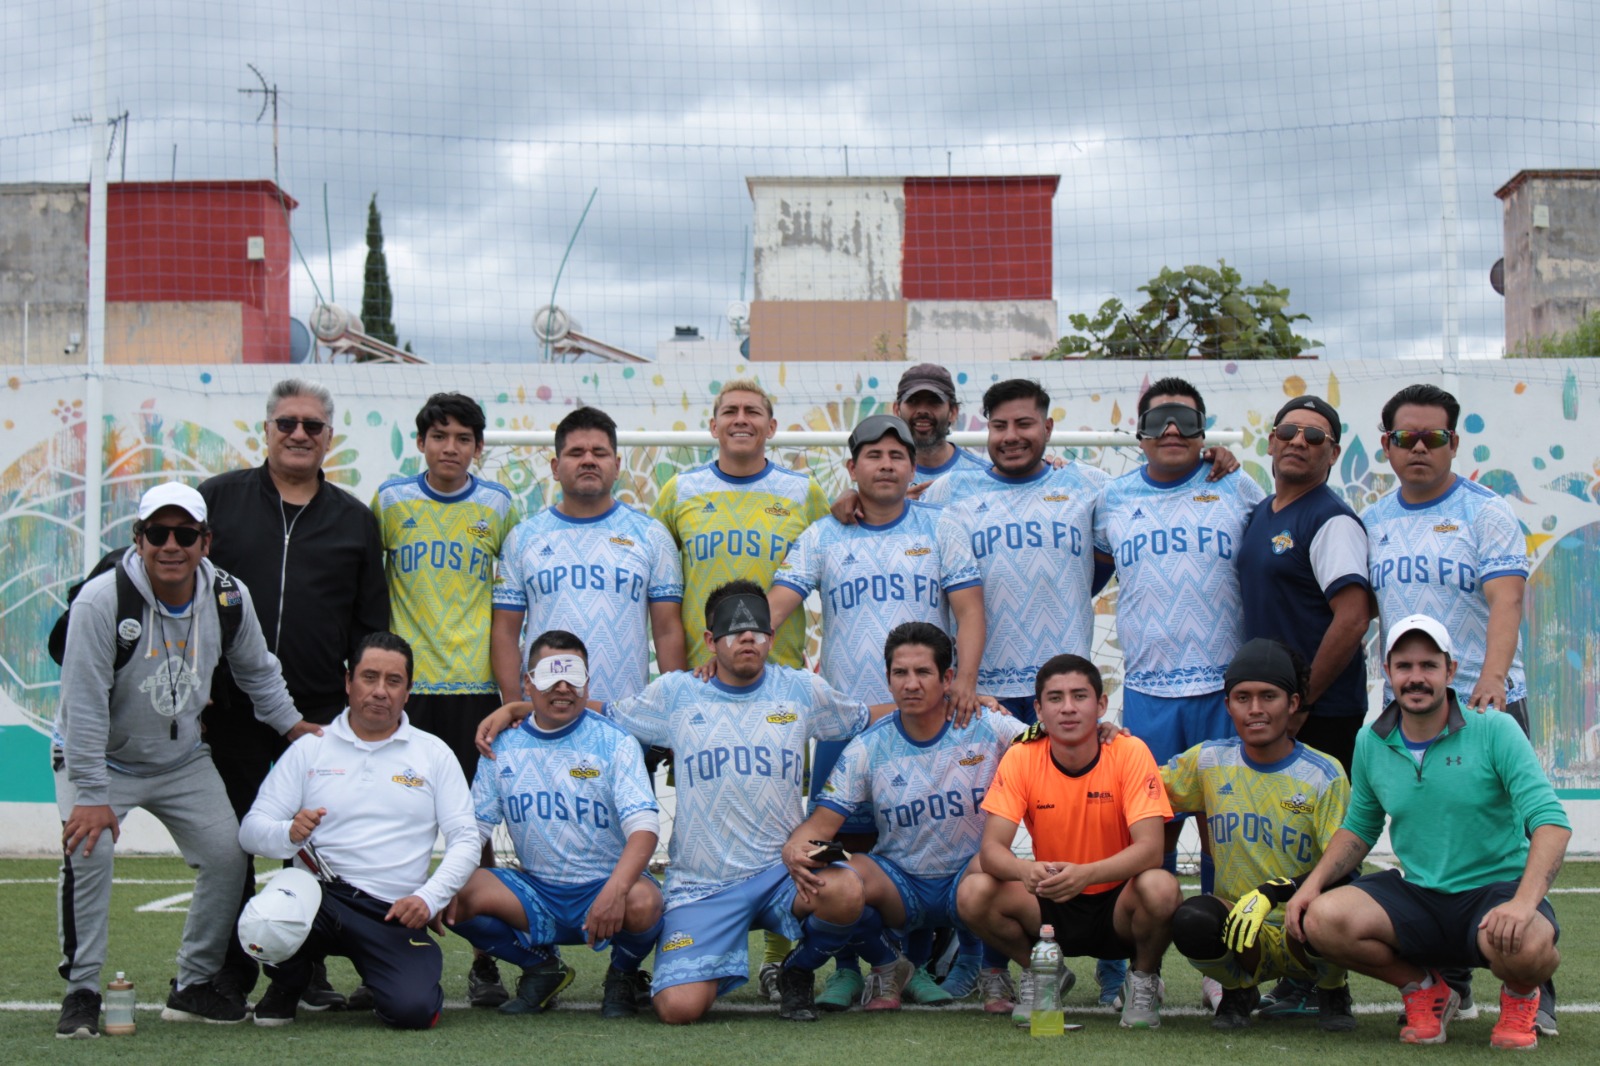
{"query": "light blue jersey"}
{"type": "Point", "coordinates": [1175, 545]}
{"type": "Point", "coordinates": [1434, 558]}
{"type": "Point", "coordinates": [595, 577]}
{"type": "Point", "coordinates": [1033, 541]}
{"type": "Point", "coordinates": [925, 796]}
{"type": "Point", "coordinates": [570, 798]}
{"type": "Point", "coordinates": [960, 459]}
{"type": "Point", "coordinates": [871, 579]}
{"type": "Point", "coordinates": [740, 759]}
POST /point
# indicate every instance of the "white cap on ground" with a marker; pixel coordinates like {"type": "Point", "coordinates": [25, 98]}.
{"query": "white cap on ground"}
{"type": "Point", "coordinates": [278, 919]}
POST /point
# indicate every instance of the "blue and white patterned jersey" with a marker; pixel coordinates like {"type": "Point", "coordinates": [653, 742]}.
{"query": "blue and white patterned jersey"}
{"type": "Point", "coordinates": [1033, 540]}
{"type": "Point", "coordinates": [871, 579]}
{"type": "Point", "coordinates": [1175, 545]}
{"type": "Point", "coordinates": [1433, 558]}
{"type": "Point", "coordinates": [595, 577]}
{"type": "Point", "coordinates": [740, 758]}
{"type": "Point", "coordinates": [926, 796]}
{"type": "Point", "coordinates": [959, 459]}
{"type": "Point", "coordinates": [570, 798]}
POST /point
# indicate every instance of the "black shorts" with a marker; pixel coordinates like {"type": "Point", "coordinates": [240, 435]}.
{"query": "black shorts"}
{"type": "Point", "coordinates": [1084, 925]}
{"type": "Point", "coordinates": [1439, 929]}
{"type": "Point", "coordinates": [454, 719]}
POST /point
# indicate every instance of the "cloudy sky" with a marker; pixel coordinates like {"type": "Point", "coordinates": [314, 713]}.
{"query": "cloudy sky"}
{"type": "Point", "coordinates": [1298, 140]}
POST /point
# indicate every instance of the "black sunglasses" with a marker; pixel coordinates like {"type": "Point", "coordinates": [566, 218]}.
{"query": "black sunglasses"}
{"type": "Point", "coordinates": [1406, 439]}
{"type": "Point", "coordinates": [1189, 422]}
{"type": "Point", "coordinates": [313, 426]}
{"type": "Point", "coordinates": [1289, 431]}
{"type": "Point", "coordinates": [184, 535]}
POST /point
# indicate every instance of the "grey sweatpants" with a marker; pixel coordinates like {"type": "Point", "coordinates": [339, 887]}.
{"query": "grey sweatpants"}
{"type": "Point", "coordinates": [191, 802]}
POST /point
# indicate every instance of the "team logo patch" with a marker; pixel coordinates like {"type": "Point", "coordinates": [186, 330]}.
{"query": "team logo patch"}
{"type": "Point", "coordinates": [1152, 785]}
{"type": "Point", "coordinates": [228, 597]}
{"type": "Point", "coordinates": [624, 541]}
{"type": "Point", "coordinates": [1282, 543]}
{"type": "Point", "coordinates": [1206, 497]}
{"type": "Point", "coordinates": [919, 550]}
{"type": "Point", "coordinates": [783, 718]}
{"type": "Point", "coordinates": [1297, 803]}
{"type": "Point", "coordinates": [973, 759]}
{"type": "Point", "coordinates": [479, 529]}
{"type": "Point", "coordinates": [409, 778]}
{"type": "Point", "coordinates": [1056, 497]}
{"type": "Point", "coordinates": [585, 771]}
{"type": "Point", "coordinates": [778, 511]}
{"type": "Point", "coordinates": [676, 941]}
{"type": "Point", "coordinates": [1446, 527]}
{"type": "Point", "coordinates": [1094, 796]}
{"type": "Point", "coordinates": [129, 629]}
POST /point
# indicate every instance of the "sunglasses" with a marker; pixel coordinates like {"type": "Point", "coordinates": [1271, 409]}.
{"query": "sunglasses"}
{"type": "Point", "coordinates": [1289, 431]}
{"type": "Point", "coordinates": [184, 535]}
{"type": "Point", "coordinates": [1406, 439]}
{"type": "Point", "coordinates": [1189, 422]}
{"type": "Point", "coordinates": [312, 426]}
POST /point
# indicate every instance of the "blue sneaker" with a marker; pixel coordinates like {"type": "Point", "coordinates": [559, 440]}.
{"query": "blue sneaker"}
{"type": "Point", "coordinates": [962, 980]}
{"type": "Point", "coordinates": [1111, 975]}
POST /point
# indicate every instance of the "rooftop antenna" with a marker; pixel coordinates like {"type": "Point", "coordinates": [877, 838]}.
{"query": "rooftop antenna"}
{"type": "Point", "coordinates": [269, 97]}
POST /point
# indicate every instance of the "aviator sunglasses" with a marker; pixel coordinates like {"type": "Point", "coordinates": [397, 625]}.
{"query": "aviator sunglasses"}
{"type": "Point", "coordinates": [184, 535]}
{"type": "Point", "coordinates": [1406, 439]}
{"type": "Point", "coordinates": [1289, 431]}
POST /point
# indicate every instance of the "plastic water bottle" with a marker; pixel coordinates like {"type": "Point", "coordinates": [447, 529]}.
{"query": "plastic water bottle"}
{"type": "Point", "coordinates": [119, 1006]}
{"type": "Point", "coordinates": [1044, 1015]}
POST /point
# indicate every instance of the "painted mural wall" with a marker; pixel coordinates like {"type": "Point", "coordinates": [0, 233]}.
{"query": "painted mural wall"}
{"type": "Point", "coordinates": [1527, 431]}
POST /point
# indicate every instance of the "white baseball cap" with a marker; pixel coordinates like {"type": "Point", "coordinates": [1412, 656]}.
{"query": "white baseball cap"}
{"type": "Point", "coordinates": [278, 919]}
{"type": "Point", "coordinates": [1418, 623]}
{"type": "Point", "coordinates": [173, 494]}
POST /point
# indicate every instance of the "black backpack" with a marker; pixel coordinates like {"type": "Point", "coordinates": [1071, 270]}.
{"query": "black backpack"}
{"type": "Point", "coordinates": [130, 608]}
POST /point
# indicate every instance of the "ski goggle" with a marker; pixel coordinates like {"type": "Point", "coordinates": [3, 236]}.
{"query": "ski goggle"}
{"type": "Point", "coordinates": [550, 671]}
{"type": "Point", "coordinates": [1189, 422]}
{"type": "Point", "coordinates": [184, 535]}
{"type": "Point", "coordinates": [1406, 439]}
{"type": "Point", "coordinates": [1289, 431]}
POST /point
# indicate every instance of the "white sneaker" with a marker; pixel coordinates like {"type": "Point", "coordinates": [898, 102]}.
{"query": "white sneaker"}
{"type": "Point", "coordinates": [767, 981]}
{"type": "Point", "coordinates": [1022, 1012]}
{"type": "Point", "coordinates": [999, 994]}
{"type": "Point", "coordinates": [1210, 993]}
{"type": "Point", "coordinates": [1143, 997]}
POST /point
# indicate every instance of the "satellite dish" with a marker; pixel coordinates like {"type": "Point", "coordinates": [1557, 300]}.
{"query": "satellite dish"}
{"type": "Point", "coordinates": [299, 341]}
{"type": "Point", "coordinates": [330, 322]}
{"type": "Point", "coordinates": [551, 324]}
{"type": "Point", "coordinates": [1497, 276]}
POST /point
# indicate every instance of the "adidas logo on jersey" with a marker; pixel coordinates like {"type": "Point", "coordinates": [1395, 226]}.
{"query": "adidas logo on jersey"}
{"type": "Point", "coordinates": [546, 551]}
{"type": "Point", "coordinates": [709, 508]}
{"type": "Point", "coordinates": [698, 719]}
{"type": "Point", "coordinates": [1383, 540]}
{"type": "Point", "coordinates": [898, 782]}
{"type": "Point", "coordinates": [1138, 512]}
{"type": "Point", "coordinates": [507, 771]}
{"type": "Point", "coordinates": [1226, 789]}
{"type": "Point", "coordinates": [849, 560]}
{"type": "Point", "coordinates": [410, 523]}
{"type": "Point", "coordinates": [982, 508]}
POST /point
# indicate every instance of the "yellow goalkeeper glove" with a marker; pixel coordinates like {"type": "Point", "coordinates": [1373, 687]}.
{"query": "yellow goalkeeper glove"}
{"type": "Point", "coordinates": [1244, 922]}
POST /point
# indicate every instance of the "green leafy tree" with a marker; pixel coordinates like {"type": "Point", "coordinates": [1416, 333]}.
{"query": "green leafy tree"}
{"type": "Point", "coordinates": [1582, 342]}
{"type": "Point", "coordinates": [1196, 311]}
{"type": "Point", "coordinates": [377, 299]}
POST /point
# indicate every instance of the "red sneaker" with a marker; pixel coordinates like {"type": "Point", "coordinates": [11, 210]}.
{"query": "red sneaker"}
{"type": "Point", "coordinates": [1428, 1012]}
{"type": "Point", "coordinates": [1516, 1028]}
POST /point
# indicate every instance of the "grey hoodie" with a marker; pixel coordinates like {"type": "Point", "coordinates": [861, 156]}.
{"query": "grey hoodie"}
{"type": "Point", "coordinates": [144, 720]}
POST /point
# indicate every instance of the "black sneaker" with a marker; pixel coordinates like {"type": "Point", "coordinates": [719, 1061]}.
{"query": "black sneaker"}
{"type": "Point", "coordinates": [619, 997]}
{"type": "Point", "coordinates": [360, 998]}
{"type": "Point", "coordinates": [276, 1006]}
{"type": "Point", "coordinates": [1235, 1007]}
{"type": "Point", "coordinates": [483, 983]}
{"type": "Point", "coordinates": [319, 994]}
{"type": "Point", "coordinates": [80, 1015]}
{"type": "Point", "coordinates": [1291, 999]}
{"type": "Point", "coordinates": [1333, 1010]}
{"type": "Point", "coordinates": [797, 990]}
{"type": "Point", "coordinates": [202, 1001]}
{"type": "Point", "coordinates": [538, 987]}
{"type": "Point", "coordinates": [639, 981]}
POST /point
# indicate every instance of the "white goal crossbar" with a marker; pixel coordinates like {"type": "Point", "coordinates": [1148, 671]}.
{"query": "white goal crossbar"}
{"type": "Point", "coordinates": [699, 438]}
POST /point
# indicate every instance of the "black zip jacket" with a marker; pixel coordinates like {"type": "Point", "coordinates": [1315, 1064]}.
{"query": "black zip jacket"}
{"type": "Point", "coordinates": [316, 577]}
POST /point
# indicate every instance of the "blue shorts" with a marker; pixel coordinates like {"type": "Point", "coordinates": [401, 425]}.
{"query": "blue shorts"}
{"type": "Point", "coordinates": [1440, 929]}
{"type": "Point", "coordinates": [930, 902]}
{"type": "Point", "coordinates": [823, 761]}
{"type": "Point", "coordinates": [1171, 725]}
{"type": "Point", "coordinates": [555, 911]}
{"type": "Point", "coordinates": [709, 939]}
{"type": "Point", "coordinates": [1020, 707]}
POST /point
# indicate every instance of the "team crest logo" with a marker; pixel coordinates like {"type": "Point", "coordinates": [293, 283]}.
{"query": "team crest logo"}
{"type": "Point", "coordinates": [1446, 527]}
{"type": "Point", "coordinates": [973, 758]}
{"type": "Point", "coordinates": [676, 941]}
{"type": "Point", "coordinates": [1056, 497]}
{"type": "Point", "coordinates": [1282, 543]}
{"type": "Point", "coordinates": [479, 529]}
{"type": "Point", "coordinates": [624, 541]}
{"type": "Point", "coordinates": [168, 699]}
{"type": "Point", "coordinates": [783, 718]}
{"type": "Point", "coordinates": [778, 511]}
{"type": "Point", "coordinates": [409, 778]}
{"type": "Point", "coordinates": [1297, 803]}
{"type": "Point", "coordinates": [585, 771]}
{"type": "Point", "coordinates": [919, 550]}
{"type": "Point", "coordinates": [1206, 497]}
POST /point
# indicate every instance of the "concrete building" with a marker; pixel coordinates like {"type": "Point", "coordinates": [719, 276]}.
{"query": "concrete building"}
{"type": "Point", "coordinates": [1552, 252]}
{"type": "Point", "coordinates": [196, 272]}
{"type": "Point", "coordinates": [921, 269]}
